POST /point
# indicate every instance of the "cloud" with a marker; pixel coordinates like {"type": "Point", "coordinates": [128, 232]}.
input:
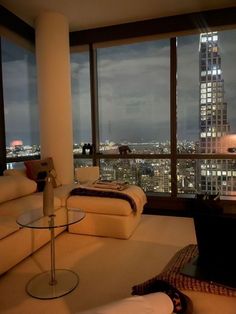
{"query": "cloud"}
{"type": "Point", "coordinates": [133, 87]}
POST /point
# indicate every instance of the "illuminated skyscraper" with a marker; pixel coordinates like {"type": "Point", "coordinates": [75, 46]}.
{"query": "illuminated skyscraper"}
{"type": "Point", "coordinates": [213, 175]}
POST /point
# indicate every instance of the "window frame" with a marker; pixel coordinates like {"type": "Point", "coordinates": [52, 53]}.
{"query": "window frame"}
{"type": "Point", "coordinates": [167, 27]}
{"type": "Point", "coordinates": [173, 155]}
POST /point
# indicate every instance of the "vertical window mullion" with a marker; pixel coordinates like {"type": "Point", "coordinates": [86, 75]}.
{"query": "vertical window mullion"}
{"type": "Point", "coordinates": [2, 121]}
{"type": "Point", "coordinates": [173, 116]}
{"type": "Point", "coordinates": [94, 100]}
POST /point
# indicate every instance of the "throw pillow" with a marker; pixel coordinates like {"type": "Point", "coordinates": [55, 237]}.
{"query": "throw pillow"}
{"type": "Point", "coordinates": [37, 170]}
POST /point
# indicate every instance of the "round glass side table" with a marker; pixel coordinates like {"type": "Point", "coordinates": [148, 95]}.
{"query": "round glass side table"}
{"type": "Point", "coordinates": [55, 282]}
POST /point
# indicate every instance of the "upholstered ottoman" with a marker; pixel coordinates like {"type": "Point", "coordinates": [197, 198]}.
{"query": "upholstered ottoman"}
{"type": "Point", "coordinates": [109, 216]}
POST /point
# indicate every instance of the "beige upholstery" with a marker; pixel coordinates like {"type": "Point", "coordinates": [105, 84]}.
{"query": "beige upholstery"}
{"type": "Point", "coordinates": [18, 197]}
{"type": "Point", "coordinates": [7, 226]}
{"type": "Point", "coordinates": [23, 242]}
{"type": "Point", "coordinates": [106, 216]}
{"type": "Point", "coordinates": [62, 192]}
{"type": "Point", "coordinates": [113, 226]}
{"type": "Point", "coordinates": [16, 207]}
{"type": "Point", "coordinates": [105, 205]}
{"type": "Point", "coordinates": [12, 187]}
{"type": "Point", "coordinates": [15, 242]}
{"type": "Point", "coordinates": [85, 175]}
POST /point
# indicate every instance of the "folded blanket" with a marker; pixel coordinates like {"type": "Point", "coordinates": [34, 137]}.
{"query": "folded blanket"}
{"type": "Point", "coordinates": [86, 191]}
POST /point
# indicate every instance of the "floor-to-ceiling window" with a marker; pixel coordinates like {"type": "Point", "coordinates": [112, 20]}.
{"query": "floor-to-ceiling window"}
{"type": "Point", "coordinates": [186, 166]}
{"type": "Point", "coordinates": [135, 111]}
{"type": "Point", "coordinates": [134, 96]}
{"type": "Point", "coordinates": [20, 102]}
{"type": "Point", "coordinates": [81, 105]}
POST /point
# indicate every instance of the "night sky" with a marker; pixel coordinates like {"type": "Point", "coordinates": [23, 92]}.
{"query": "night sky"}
{"type": "Point", "coordinates": [134, 91]}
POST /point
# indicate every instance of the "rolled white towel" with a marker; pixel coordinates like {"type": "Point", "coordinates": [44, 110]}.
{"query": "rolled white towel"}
{"type": "Point", "coordinates": [153, 303]}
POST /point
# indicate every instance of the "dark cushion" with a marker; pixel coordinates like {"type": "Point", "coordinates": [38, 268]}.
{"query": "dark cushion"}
{"type": "Point", "coordinates": [172, 275]}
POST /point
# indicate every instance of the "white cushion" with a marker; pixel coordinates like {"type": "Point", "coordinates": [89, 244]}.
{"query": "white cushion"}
{"type": "Point", "coordinates": [12, 187]}
{"type": "Point", "coordinates": [87, 174]}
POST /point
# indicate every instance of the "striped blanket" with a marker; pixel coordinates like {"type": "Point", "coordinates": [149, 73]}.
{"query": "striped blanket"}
{"type": "Point", "coordinates": [87, 191]}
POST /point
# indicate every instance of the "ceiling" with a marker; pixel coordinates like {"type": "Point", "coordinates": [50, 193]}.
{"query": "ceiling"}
{"type": "Point", "coordinates": [86, 14]}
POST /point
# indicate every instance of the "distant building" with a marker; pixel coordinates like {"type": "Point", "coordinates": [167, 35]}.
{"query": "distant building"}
{"type": "Point", "coordinates": [212, 175]}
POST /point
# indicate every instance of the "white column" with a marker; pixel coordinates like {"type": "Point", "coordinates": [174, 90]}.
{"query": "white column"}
{"type": "Point", "coordinates": [54, 92]}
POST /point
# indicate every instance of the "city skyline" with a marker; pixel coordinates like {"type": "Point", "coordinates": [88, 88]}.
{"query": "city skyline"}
{"type": "Point", "coordinates": [213, 176]}
{"type": "Point", "coordinates": [130, 100]}
{"type": "Point", "coordinates": [187, 88]}
{"type": "Point", "coordinates": [134, 106]}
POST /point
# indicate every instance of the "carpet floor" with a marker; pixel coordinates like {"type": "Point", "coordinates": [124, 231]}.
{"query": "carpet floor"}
{"type": "Point", "coordinates": [107, 268]}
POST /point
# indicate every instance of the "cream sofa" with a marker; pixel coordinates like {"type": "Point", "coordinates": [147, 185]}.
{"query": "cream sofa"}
{"type": "Point", "coordinates": [104, 216]}
{"type": "Point", "coordinates": [17, 196]}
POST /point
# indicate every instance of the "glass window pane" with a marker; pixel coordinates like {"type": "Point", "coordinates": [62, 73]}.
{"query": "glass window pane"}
{"type": "Point", "coordinates": [20, 100]}
{"type": "Point", "coordinates": [186, 177]}
{"type": "Point", "coordinates": [209, 176]}
{"type": "Point", "coordinates": [153, 175]}
{"type": "Point", "coordinates": [79, 162]}
{"type": "Point", "coordinates": [206, 110]}
{"type": "Point", "coordinates": [188, 93]}
{"type": "Point", "coordinates": [205, 99]}
{"type": "Point", "coordinates": [80, 81]}
{"type": "Point", "coordinates": [134, 97]}
{"type": "Point", "coordinates": [15, 165]}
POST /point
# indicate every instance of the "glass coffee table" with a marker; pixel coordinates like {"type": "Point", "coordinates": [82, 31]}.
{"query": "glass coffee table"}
{"type": "Point", "coordinates": [55, 282]}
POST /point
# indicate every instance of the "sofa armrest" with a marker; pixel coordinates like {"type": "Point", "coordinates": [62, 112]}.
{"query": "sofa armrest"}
{"type": "Point", "coordinates": [15, 172]}
{"type": "Point", "coordinates": [62, 192]}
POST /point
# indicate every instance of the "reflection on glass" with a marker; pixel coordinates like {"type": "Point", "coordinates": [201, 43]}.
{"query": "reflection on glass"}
{"type": "Point", "coordinates": [207, 176]}
{"type": "Point", "coordinates": [186, 177]}
{"type": "Point", "coordinates": [82, 162]}
{"type": "Point", "coordinates": [15, 165]}
{"type": "Point", "coordinates": [153, 175]}
{"type": "Point", "coordinates": [134, 97]}
{"type": "Point", "coordinates": [217, 176]}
